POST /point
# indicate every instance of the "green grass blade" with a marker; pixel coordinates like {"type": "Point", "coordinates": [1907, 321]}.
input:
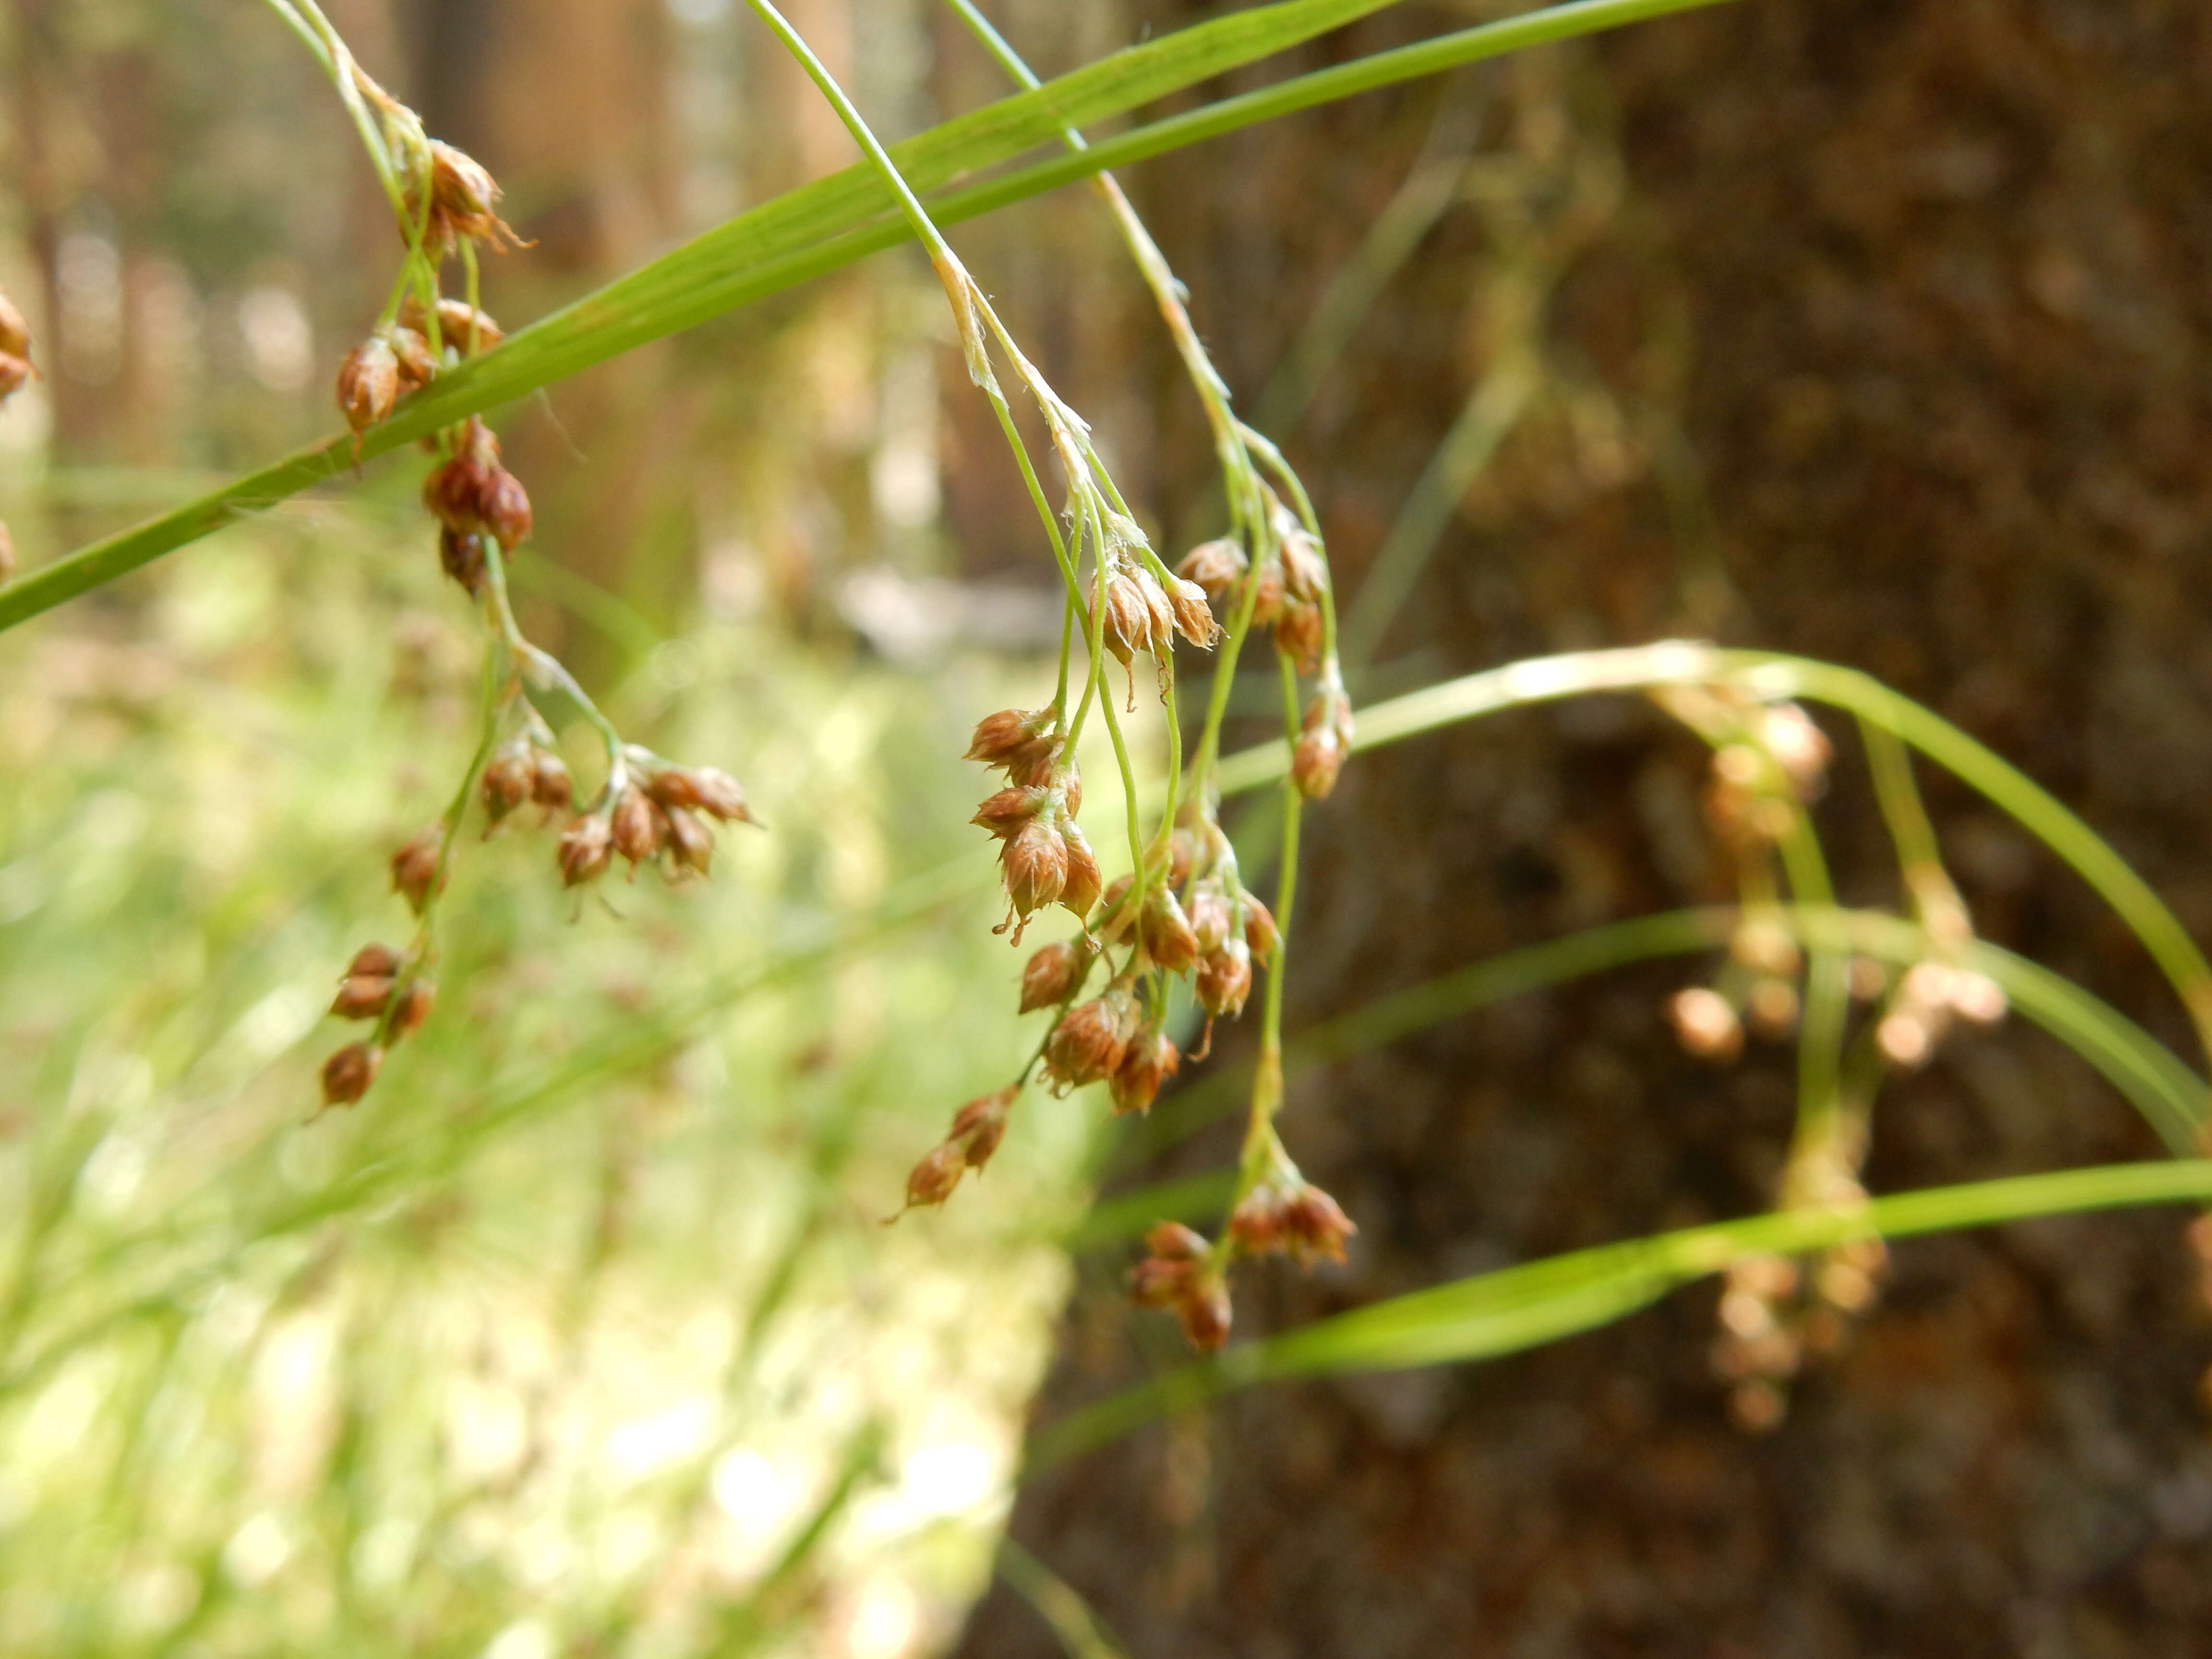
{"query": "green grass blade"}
{"type": "Point", "coordinates": [826, 225]}
{"type": "Point", "coordinates": [1518, 1307]}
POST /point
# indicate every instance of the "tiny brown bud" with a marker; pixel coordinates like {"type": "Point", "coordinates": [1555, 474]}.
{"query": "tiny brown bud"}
{"type": "Point", "coordinates": [1260, 934]}
{"type": "Point", "coordinates": [1305, 572]}
{"type": "Point", "coordinates": [412, 353]}
{"type": "Point", "coordinates": [1052, 974]}
{"type": "Point", "coordinates": [461, 556]}
{"type": "Point", "coordinates": [1091, 1038]}
{"type": "Point", "coordinates": [980, 1124]}
{"type": "Point", "coordinates": [707, 789]}
{"type": "Point", "coordinates": [1210, 919]}
{"type": "Point", "coordinates": [1080, 890]}
{"type": "Point", "coordinates": [1298, 634]}
{"type": "Point", "coordinates": [1167, 933]}
{"type": "Point", "coordinates": [1268, 605]}
{"type": "Point", "coordinates": [506, 783]}
{"type": "Point", "coordinates": [362, 996]}
{"type": "Point", "coordinates": [14, 332]}
{"type": "Point", "coordinates": [504, 506]}
{"type": "Point", "coordinates": [1224, 979]}
{"type": "Point", "coordinates": [1034, 862]}
{"type": "Point", "coordinates": [374, 961]}
{"type": "Point", "coordinates": [347, 1073]}
{"type": "Point", "coordinates": [1128, 623]}
{"type": "Point", "coordinates": [639, 827]}
{"type": "Point", "coordinates": [932, 1181]}
{"type": "Point", "coordinates": [457, 320]}
{"type": "Point", "coordinates": [1020, 740]}
{"type": "Point", "coordinates": [550, 786]}
{"type": "Point", "coordinates": [1214, 565]}
{"type": "Point", "coordinates": [413, 1008]}
{"type": "Point", "coordinates": [1010, 810]}
{"type": "Point", "coordinates": [1194, 618]}
{"type": "Point", "coordinates": [1181, 851]}
{"type": "Point", "coordinates": [1314, 1224]}
{"type": "Point", "coordinates": [1705, 1024]}
{"type": "Point", "coordinates": [1203, 1311]}
{"type": "Point", "coordinates": [454, 492]}
{"type": "Point", "coordinates": [1171, 1240]}
{"type": "Point", "coordinates": [1148, 1062]}
{"type": "Point", "coordinates": [462, 198]}
{"type": "Point", "coordinates": [585, 848]}
{"type": "Point", "coordinates": [368, 383]}
{"type": "Point", "coordinates": [1160, 616]}
{"type": "Point", "coordinates": [414, 867]}
{"type": "Point", "coordinates": [1315, 760]}
{"type": "Point", "coordinates": [691, 841]}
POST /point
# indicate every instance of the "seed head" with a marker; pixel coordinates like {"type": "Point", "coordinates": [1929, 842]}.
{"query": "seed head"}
{"type": "Point", "coordinates": [412, 354]}
{"type": "Point", "coordinates": [1315, 762]}
{"type": "Point", "coordinates": [369, 382]}
{"type": "Point", "coordinates": [507, 778]}
{"type": "Point", "coordinates": [413, 1008]}
{"type": "Point", "coordinates": [1210, 918]}
{"type": "Point", "coordinates": [1009, 811]}
{"type": "Point", "coordinates": [639, 827]}
{"type": "Point", "coordinates": [690, 840]}
{"type": "Point", "coordinates": [708, 789]}
{"type": "Point", "coordinates": [1181, 1274]}
{"type": "Point", "coordinates": [1194, 618]}
{"type": "Point", "coordinates": [414, 867]}
{"type": "Point", "coordinates": [374, 961]}
{"type": "Point", "coordinates": [454, 492]}
{"type": "Point", "coordinates": [14, 332]}
{"type": "Point", "coordinates": [585, 847]}
{"type": "Point", "coordinates": [1215, 566]}
{"type": "Point", "coordinates": [1224, 979]}
{"type": "Point", "coordinates": [1705, 1024]}
{"type": "Point", "coordinates": [461, 556]}
{"type": "Point", "coordinates": [932, 1181]}
{"type": "Point", "coordinates": [1052, 974]}
{"type": "Point", "coordinates": [1034, 862]}
{"type": "Point", "coordinates": [1259, 933]}
{"type": "Point", "coordinates": [1298, 634]}
{"type": "Point", "coordinates": [504, 506]}
{"type": "Point", "coordinates": [362, 996]}
{"type": "Point", "coordinates": [1182, 849]}
{"type": "Point", "coordinates": [1021, 740]}
{"type": "Point", "coordinates": [980, 1124]}
{"type": "Point", "coordinates": [347, 1073]}
{"type": "Point", "coordinates": [1168, 936]}
{"type": "Point", "coordinates": [1293, 1216]}
{"type": "Point", "coordinates": [456, 318]}
{"type": "Point", "coordinates": [1080, 892]}
{"type": "Point", "coordinates": [1091, 1038]}
{"type": "Point", "coordinates": [1269, 605]}
{"type": "Point", "coordinates": [550, 786]}
{"type": "Point", "coordinates": [462, 197]}
{"type": "Point", "coordinates": [1305, 572]}
{"type": "Point", "coordinates": [1128, 624]}
{"type": "Point", "coordinates": [1149, 1060]}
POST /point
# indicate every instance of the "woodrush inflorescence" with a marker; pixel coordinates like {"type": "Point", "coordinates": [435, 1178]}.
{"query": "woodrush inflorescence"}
{"type": "Point", "coordinates": [648, 809]}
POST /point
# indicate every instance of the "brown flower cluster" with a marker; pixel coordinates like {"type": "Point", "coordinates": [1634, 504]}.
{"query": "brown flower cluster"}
{"type": "Point", "coordinates": [389, 987]}
{"type": "Point", "coordinates": [1286, 594]}
{"type": "Point", "coordinates": [15, 369]}
{"type": "Point", "coordinates": [1183, 1273]}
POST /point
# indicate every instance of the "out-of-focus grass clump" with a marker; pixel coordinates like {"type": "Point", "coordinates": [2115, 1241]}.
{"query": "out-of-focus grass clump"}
{"type": "Point", "coordinates": [583, 1332]}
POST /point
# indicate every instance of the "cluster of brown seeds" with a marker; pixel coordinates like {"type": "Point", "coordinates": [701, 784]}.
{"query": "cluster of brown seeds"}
{"type": "Point", "coordinates": [649, 809]}
{"type": "Point", "coordinates": [15, 369]}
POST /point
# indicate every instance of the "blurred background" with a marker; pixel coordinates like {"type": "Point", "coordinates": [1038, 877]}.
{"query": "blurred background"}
{"type": "Point", "coordinates": [1875, 331]}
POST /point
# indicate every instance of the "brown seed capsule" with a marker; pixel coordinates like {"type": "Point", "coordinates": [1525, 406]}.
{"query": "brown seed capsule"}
{"type": "Point", "coordinates": [454, 492]}
{"type": "Point", "coordinates": [504, 506]}
{"type": "Point", "coordinates": [347, 1073]}
{"type": "Point", "coordinates": [1315, 760]}
{"type": "Point", "coordinates": [1167, 933]}
{"type": "Point", "coordinates": [1010, 810]}
{"type": "Point", "coordinates": [932, 1181]}
{"type": "Point", "coordinates": [1305, 572]}
{"type": "Point", "coordinates": [1268, 605]}
{"type": "Point", "coordinates": [1148, 1062]}
{"type": "Point", "coordinates": [638, 828]}
{"type": "Point", "coordinates": [1159, 616]}
{"type": "Point", "coordinates": [14, 332]}
{"type": "Point", "coordinates": [691, 841]}
{"type": "Point", "coordinates": [1020, 740]}
{"type": "Point", "coordinates": [462, 197]}
{"type": "Point", "coordinates": [708, 788]}
{"type": "Point", "coordinates": [414, 867]}
{"type": "Point", "coordinates": [506, 783]}
{"type": "Point", "coordinates": [1034, 862]}
{"type": "Point", "coordinates": [412, 353]}
{"type": "Point", "coordinates": [585, 847]}
{"type": "Point", "coordinates": [413, 1008]}
{"type": "Point", "coordinates": [550, 786]}
{"type": "Point", "coordinates": [1052, 974]}
{"type": "Point", "coordinates": [368, 383]}
{"type": "Point", "coordinates": [1260, 934]}
{"type": "Point", "coordinates": [1214, 565]}
{"type": "Point", "coordinates": [1298, 634]}
{"type": "Point", "coordinates": [1210, 917]}
{"type": "Point", "coordinates": [1314, 1224]}
{"type": "Point", "coordinates": [1179, 1276]}
{"type": "Point", "coordinates": [1182, 849]}
{"type": "Point", "coordinates": [1194, 618]}
{"type": "Point", "coordinates": [1080, 890]}
{"type": "Point", "coordinates": [362, 996]}
{"type": "Point", "coordinates": [374, 961]}
{"type": "Point", "coordinates": [1090, 1039]}
{"type": "Point", "coordinates": [1224, 979]}
{"type": "Point", "coordinates": [457, 320]}
{"type": "Point", "coordinates": [461, 556]}
{"type": "Point", "coordinates": [1128, 623]}
{"type": "Point", "coordinates": [980, 1124]}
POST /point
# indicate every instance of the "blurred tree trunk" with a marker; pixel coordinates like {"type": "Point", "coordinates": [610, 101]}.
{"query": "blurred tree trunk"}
{"type": "Point", "coordinates": [1906, 313]}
